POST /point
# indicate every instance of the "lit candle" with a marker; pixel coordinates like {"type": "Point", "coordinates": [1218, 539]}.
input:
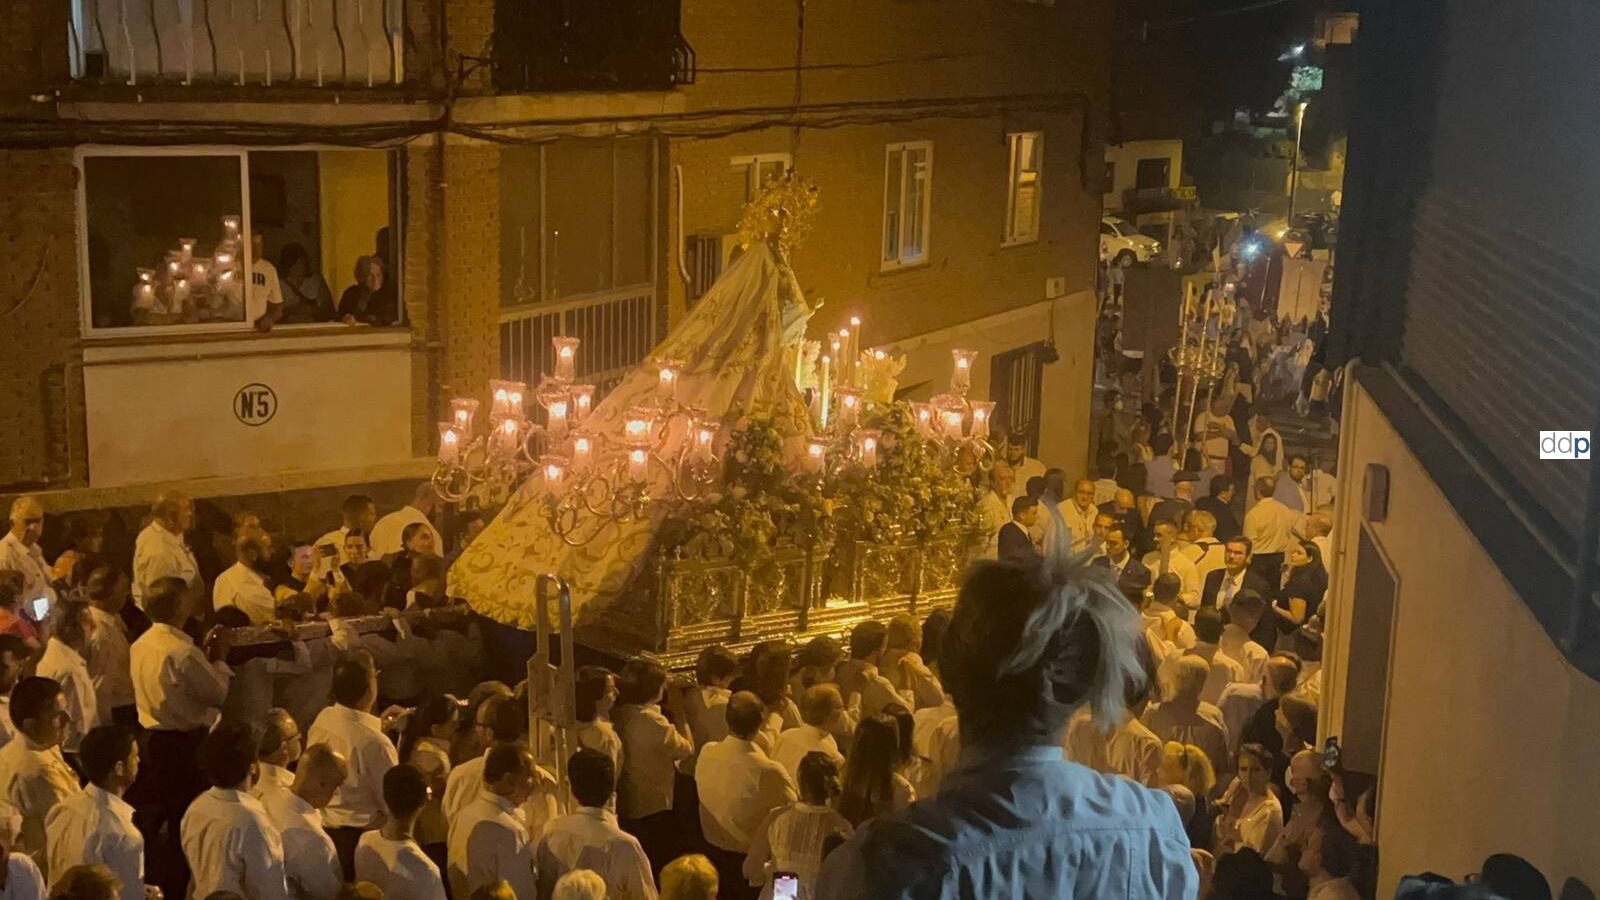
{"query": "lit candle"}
{"type": "Point", "coordinates": [827, 391]}
{"type": "Point", "coordinates": [924, 414]}
{"type": "Point", "coordinates": [835, 350]}
{"type": "Point", "coordinates": [566, 357]}
{"type": "Point", "coordinates": [507, 397]}
{"type": "Point", "coordinates": [847, 364]}
{"type": "Point", "coordinates": [173, 265]}
{"type": "Point", "coordinates": [230, 224]}
{"type": "Point", "coordinates": [582, 453]}
{"type": "Point", "coordinates": [816, 456]}
{"type": "Point", "coordinates": [582, 401]}
{"type": "Point", "coordinates": [462, 411]}
{"type": "Point", "coordinates": [449, 443]}
{"type": "Point", "coordinates": [557, 419]}
{"type": "Point", "coordinates": [147, 275]}
{"type": "Point", "coordinates": [952, 421]}
{"type": "Point", "coordinates": [849, 406]}
{"type": "Point", "coordinates": [186, 248]}
{"type": "Point", "coordinates": [867, 442]}
{"type": "Point", "coordinates": [961, 373]}
{"type": "Point", "coordinates": [880, 354]}
{"type": "Point", "coordinates": [224, 259]}
{"type": "Point", "coordinates": [667, 383]}
{"type": "Point", "coordinates": [855, 350]}
{"type": "Point", "coordinates": [981, 413]}
{"type": "Point", "coordinates": [509, 435]}
{"type": "Point", "coordinates": [199, 270]}
{"type": "Point", "coordinates": [180, 290]}
{"type": "Point", "coordinates": [555, 469]}
{"type": "Point", "coordinates": [636, 431]}
{"type": "Point", "coordinates": [638, 463]}
{"type": "Point", "coordinates": [705, 437]}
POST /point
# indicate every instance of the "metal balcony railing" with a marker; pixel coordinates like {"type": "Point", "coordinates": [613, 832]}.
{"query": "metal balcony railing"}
{"type": "Point", "coordinates": [617, 328]}
{"type": "Point", "coordinates": [268, 42]}
{"type": "Point", "coordinates": [599, 45]}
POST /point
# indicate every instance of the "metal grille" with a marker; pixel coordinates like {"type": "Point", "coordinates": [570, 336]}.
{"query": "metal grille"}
{"type": "Point", "coordinates": [704, 252]}
{"type": "Point", "coordinates": [1506, 332]}
{"type": "Point", "coordinates": [617, 329]}
{"type": "Point", "coordinates": [1016, 378]}
{"type": "Point", "coordinates": [346, 42]}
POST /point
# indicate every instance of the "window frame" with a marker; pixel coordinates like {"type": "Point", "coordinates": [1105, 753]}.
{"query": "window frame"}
{"type": "Point", "coordinates": [87, 329]}
{"type": "Point", "coordinates": [901, 261]}
{"type": "Point", "coordinates": [752, 164]}
{"type": "Point", "coordinates": [1009, 237]}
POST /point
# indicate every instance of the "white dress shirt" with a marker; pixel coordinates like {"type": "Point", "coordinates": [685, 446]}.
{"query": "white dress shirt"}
{"type": "Point", "coordinates": [590, 839]}
{"type": "Point", "coordinates": [399, 868]}
{"type": "Point", "coordinates": [1081, 521]}
{"type": "Point", "coordinates": [651, 749]}
{"type": "Point", "coordinates": [1270, 525]}
{"type": "Point", "coordinates": [861, 683]}
{"type": "Point", "coordinates": [794, 744]}
{"type": "Point", "coordinates": [24, 881]}
{"type": "Point", "coordinates": [29, 560]}
{"type": "Point", "coordinates": [108, 664]}
{"type": "Point", "coordinates": [1200, 725]}
{"type": "Point", "coordinates": [708, 719]}
{"type": "Point", "coordinates": [792, 842]}
{"type": "Point", "coordinates": [67, 666]}
{"type": "Point", "coordinates": [465, 784]}
{"type": "Point", "coordinates": [245, 589]}
{"type": "Point", "coordinates": [739, 785]}
{"type": "Point", "coordinates": [34, 780]}
{"type": "Point", "coordinates": [306, 696]}
{"type": "Point", "coordinates": [1180, 565]}
{"type": "Point", "coordinates": [1231, 583]}
{"type": "Point", "coordinates": [600, 735]}
{"type": "Point", "coordinates": [310, 862]}
{"type": "Point", "coordinates": [231, 846]}
{"type": "Point", "coordinates": [1130, 750]}
{"type": "Point", "coordinates": [1238, 703]}
{"type": "Point", "coordinates": [174, 685]}
{"type": "Point", "coordinates": [488, 845]}
{"type": "Point", "coordinates": [910, 677]}
{"type": "Point", "coordinates": [1333, 889]}
{"type": "Point", "coordinates": [271, 779]}
{"type": "Point", "coordinates": [386, 532]}
{"type": "Point", "coordinates": [359, 736]}
{"type": "Point", "coordinates": [1242, 649]}
{"type": "Point", "coordinates": [994, 512]}
{"type": "Point", "coordinates": [325, 564]}
{"type": "Point", "coordinates": [1207, 555]}
{"type": "Point", "coordinates": [1225, 670]}
{"type": "Point", "coordinates": [96, 826]}
{"type": "Point", "coordinates": [158, 553]}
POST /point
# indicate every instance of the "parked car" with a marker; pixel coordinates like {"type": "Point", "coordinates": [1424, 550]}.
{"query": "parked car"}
{"type": "Point", "coordinates": [1123, 245]}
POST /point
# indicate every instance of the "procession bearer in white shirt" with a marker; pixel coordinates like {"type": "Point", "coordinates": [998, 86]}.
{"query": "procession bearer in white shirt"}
{"type": "Point", "coordinates": [19, 551]}
{"type": "Point", "coordinates": [33, 776]}
{"type": "Point", "coordinates": [739, 785]}
{"type": "Point", "coordinates": [242, 585]}
{"type": "Point", "coordinates": [490, 844]}
{"type": "Point", "coordinates": [310, 862]}
{"type": "Point", "coordinates": [160, 550]}
{"type": "Point", "coordinates": [228, 840]}
{"type": "Point", "coordinates": [96, 826]}
{"type": "Point", "coordinates": [350, 728]}
{"type": "Point", "coordinates": [179, 689]}
{"type": "Point", "coordinates": [590, 838]}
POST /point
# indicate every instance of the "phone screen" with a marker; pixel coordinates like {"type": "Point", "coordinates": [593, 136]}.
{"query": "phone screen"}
{"type": "Point", "coordinates": [1330, 754]}
{"type": "Point", "coordinates": [785, 886]}
{"type": "Point", "coordinates": [328, 550]}
{"type": "Point", "coordinates": [41, 608]}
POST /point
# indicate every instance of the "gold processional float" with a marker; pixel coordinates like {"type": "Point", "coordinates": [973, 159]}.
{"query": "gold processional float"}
{"type": "Point", "coordinates": [742, 484]}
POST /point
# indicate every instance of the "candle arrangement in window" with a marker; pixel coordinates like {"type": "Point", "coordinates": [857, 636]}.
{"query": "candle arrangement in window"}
{"type": "Point", "coordinates": [586, 478]}
{"type": "Point", "coordinates": [185, 288]}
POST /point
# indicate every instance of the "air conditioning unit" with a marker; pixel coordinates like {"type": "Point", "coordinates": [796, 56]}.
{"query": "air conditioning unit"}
{"type": "Point", "coordinates": [708, 256]}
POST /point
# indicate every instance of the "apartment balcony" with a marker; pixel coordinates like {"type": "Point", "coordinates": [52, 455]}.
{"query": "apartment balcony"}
{"type": "Point", "coordinates": [589, 45]}
{"type": "Point", "coordinates": [310, 43]}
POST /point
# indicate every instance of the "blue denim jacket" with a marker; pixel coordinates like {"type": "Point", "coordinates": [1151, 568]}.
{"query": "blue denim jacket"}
{"type": "Point", "coordinates": [1019, 824]}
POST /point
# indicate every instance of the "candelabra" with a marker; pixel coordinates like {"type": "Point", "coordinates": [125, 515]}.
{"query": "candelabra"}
{"type": "Point", "coordinates": [1197, 358]}
{"type": "Point", "coordinates": [588, 479]}
{"type": "Point", "coordinates": [194, 286]}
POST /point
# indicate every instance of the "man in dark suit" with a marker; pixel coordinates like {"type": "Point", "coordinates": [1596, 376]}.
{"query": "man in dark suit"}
{"type": "Point", "coordinates": [1119, 556]}
{"type": "Point", "coordinates": [1234, 576]}
{"type": "Point", "coordinates": [1125, 509]}
{"type": "Point", "coordinates": [1220, 505]}
{"type": "Point", "coordinates": [1015, 543]}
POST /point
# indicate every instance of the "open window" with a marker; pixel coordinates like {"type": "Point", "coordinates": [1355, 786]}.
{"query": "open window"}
{"type": "Point", "coordinates": [907, 203]}
{"type": "Point", "coordinates": [203, 239]}
{"type": "Point", "coordinates": [1024, 187]}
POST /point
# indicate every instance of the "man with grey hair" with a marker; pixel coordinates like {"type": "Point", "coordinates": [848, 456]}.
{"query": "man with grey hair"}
{"type": "Point", "coordinates": [1319, 531]}
{"type": "Point", "coordinates": [161, 550]}
{"type": "Point", "coordinates": [19, 551]}
{"type": "Point", "coordinates": [1186, 718]}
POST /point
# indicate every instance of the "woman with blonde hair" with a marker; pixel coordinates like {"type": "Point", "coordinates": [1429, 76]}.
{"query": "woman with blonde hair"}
{"type": "Point", "coordinates": [1188, 766]}
{"type": "Point", "coordinates": [689, 877]}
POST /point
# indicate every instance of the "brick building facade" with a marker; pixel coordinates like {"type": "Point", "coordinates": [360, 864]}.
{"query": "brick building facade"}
{"type": "Point", "coordinates": [486, 241]}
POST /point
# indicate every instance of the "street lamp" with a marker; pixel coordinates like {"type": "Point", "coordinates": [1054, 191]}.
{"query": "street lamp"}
{"type": "Point", "coordinates": [1294, 164]}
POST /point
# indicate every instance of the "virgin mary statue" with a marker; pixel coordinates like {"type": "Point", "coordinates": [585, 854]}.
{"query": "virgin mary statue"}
{"type": "Point", "coordinates": [734, 352]}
